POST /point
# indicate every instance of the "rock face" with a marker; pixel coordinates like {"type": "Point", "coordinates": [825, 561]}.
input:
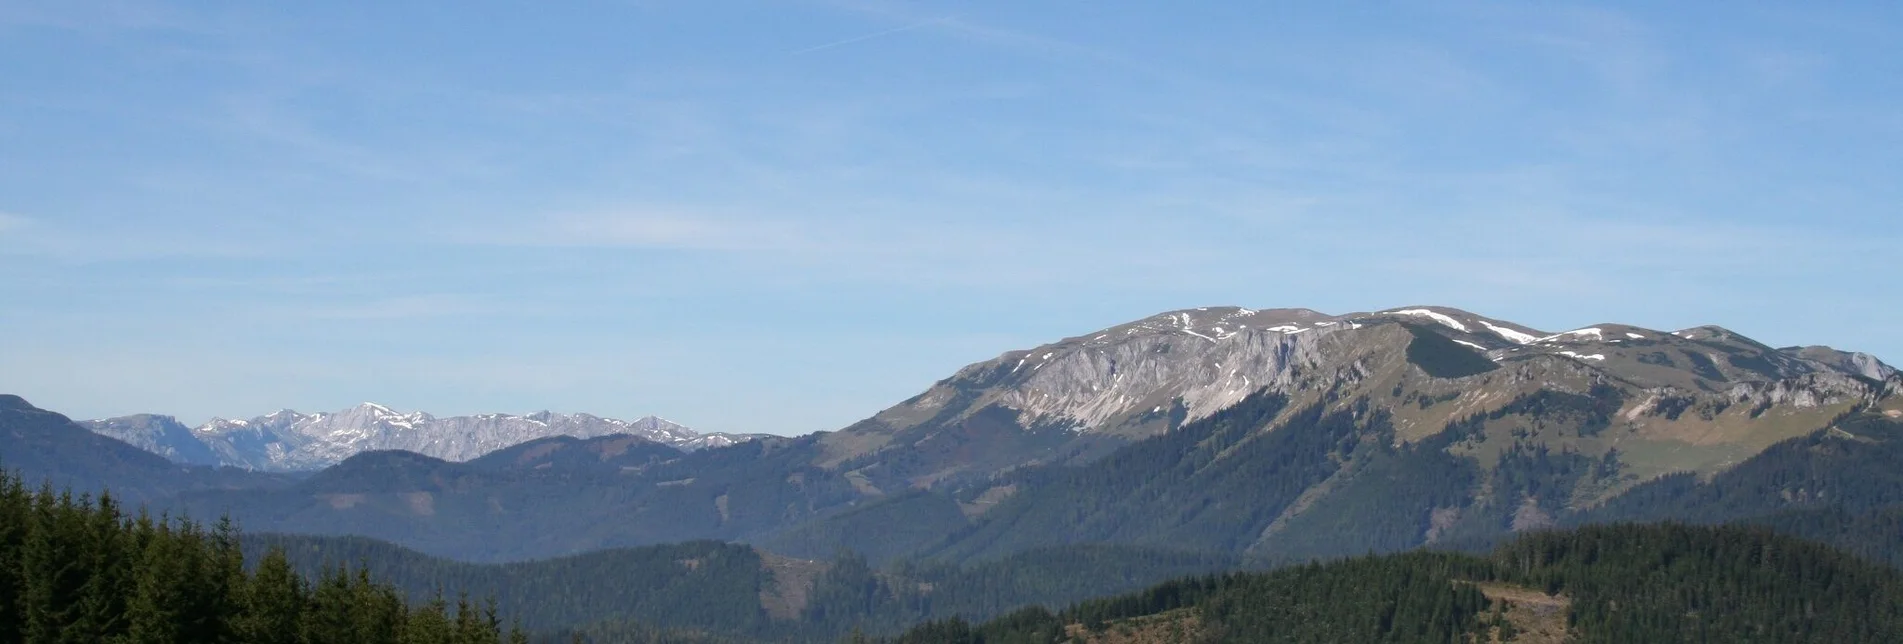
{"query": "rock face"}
{"type": "Point", "coordinates": [1079, 397]}
{"type": "Point", "coordinates": [162, 435]}
{"type": "Point", "coordinates": [290, 441]}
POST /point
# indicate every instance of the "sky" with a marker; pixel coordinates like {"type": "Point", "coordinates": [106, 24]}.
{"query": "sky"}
{"type": "Point", "coordinates": [783, 217]}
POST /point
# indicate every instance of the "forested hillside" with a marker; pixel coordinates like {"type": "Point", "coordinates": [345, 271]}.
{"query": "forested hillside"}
{"type": "Point", "coordinates": [1623, 583]}
{"type": "Point", "coordinates": [41, 445]}
{"type": "Point", "coordinates": [78, 569]}
{"type": "Point", "coordinates": [711, 589]}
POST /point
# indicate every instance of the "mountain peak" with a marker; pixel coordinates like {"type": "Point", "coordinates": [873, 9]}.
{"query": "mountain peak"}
{"type": "Point", "coordinates": [15, 403]}
{"type": "Point", "coordinates": [377, 409]}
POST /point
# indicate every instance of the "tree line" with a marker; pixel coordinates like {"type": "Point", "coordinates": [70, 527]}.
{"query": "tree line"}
{"type": "Point", "coordinates": [81, 569]}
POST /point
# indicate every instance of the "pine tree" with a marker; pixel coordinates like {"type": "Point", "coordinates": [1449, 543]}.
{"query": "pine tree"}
{"type": "Point", "coordinates": [329, 618]}
{"type": "Point", "coordinates": [153, 611]}
{"type": "Point", "coordinates": [53, 569]}
{"type": "Point", "coordinates": [110, 560]}
{"type": "Point", "coordinates": [273, 603]}
{"type": "Point", "coordinates": [15, 513]}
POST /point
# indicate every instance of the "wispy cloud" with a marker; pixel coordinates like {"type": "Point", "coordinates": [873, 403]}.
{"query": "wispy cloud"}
{"type": "Point", "coordinates": [862, 38]}
{"type": "Point", "coordinates": [641, 227]}
{"type": "Point", "coordinates": [107, 16]}
{"type": "Point", "coordinates": [118, 241]}
{"type": "Point", "coordinates": [396, 308]}
{"type": "Point", "coordinates": [10, 223]}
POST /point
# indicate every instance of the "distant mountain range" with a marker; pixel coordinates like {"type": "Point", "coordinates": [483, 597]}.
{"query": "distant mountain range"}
{"type": "Point", "coordinates": [1262, 435]}
{"type": "Point", "coordinates": [286, 440]}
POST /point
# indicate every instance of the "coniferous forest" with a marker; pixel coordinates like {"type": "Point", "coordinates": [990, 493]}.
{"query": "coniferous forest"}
{"type": "Point", "coordinates": [82, 569]}
{"type": "Point", "coordinates": [1619, 583]}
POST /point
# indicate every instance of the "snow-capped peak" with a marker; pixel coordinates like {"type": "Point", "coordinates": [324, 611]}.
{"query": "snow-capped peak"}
{"type": "Point", "coordinates": [288, 440]}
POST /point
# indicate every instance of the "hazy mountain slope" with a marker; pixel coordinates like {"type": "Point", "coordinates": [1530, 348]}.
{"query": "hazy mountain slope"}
{"type": "Point", "coordinates": [602, 455]}
{"type": "Point", "coordinates": [290, 441]}
{"type": "Point", "coordinates": [595, 493]}
{"type": "Point", "coordinates": [734, 591]}
{"type": "Point", "coordinates": [43, 446]}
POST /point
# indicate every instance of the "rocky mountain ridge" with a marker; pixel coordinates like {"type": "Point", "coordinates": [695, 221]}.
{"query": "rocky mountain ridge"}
{"type": "Point", "coordinates": [1146, 377]}
{"type": "Point", "coordinates": [288, 440]}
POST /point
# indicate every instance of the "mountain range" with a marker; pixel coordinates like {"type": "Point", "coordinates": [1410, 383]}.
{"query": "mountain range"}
{"type": "Point", "coordinates": [286, 441]}
{"type": "Point", "coordinates": [1259, 435]}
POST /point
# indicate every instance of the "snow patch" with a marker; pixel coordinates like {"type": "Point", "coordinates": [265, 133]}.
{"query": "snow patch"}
{"type": "Point", "coordinates": [1509, 335]}
{"type": "Point", "coordinates": [1589, 331]}
{"type": "Point", "coordinates": [1577, 356]}
{"type": "Point", "coordinates": [1437, 317]}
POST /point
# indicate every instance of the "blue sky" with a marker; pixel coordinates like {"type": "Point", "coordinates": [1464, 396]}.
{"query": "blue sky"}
{"type": "Point", "coordinates": [782, 217]}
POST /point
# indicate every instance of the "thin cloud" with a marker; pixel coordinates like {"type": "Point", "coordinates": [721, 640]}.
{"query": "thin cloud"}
{"type": "Point", "coordinates": [871, 36]}
{"type": "Point", "coordinates": [644, 228]}
{"type": "Point", "coordinates": [11, 223]}
{"type": "Point", "coordinates": [399, 308]}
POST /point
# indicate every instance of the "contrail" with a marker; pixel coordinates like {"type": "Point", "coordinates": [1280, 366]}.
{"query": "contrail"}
{"type": "Point", "coordinates": [870, 36]}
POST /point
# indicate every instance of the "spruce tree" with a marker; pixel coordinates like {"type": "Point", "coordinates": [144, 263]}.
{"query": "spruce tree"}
{"type": "Point", "coordinates": [15, 513]}
{"type": "Point", "coordinates": [273, 603]}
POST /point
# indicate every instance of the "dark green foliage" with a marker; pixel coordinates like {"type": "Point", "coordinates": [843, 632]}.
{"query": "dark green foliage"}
{"type": "Point", "coordinates": [1670, 582]}
{"type": "Point", "coordinates": [702, 590]}
{"type": "Point", "coordinates": [1591, 412]}
{"type": "Point", "coordinates": [78, 570]}
{"type": "Point", "coordinates": [1626, 583]}
{"type": "Point", "coordinates": [1658, 358]}
{"type": "Point", "coordinates": [625, 632]}
{"type": "Point", "coordinates": [1441, 357]}
{"type": "Point", "coordinates": [696, 585]}
{"type": "Point", "coordinates": [1408, 598]}
{"type": "Point", "coordinates": [1051, 577]}
{"type": "Point", "coordinates": [1873, 534]}
{"type": "Point", "coordinates": [1386, 502]}
{"type": "Point", "coordinates": [1671, 407]}
{"type": "Point", "coordinates": [1033, 625]}
{"type": "Point", "coordinates": [880, 530]}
